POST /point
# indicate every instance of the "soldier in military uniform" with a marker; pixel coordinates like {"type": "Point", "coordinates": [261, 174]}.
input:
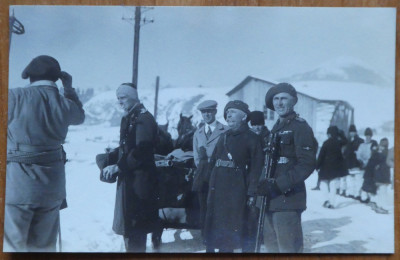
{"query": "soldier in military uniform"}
{"type": "Point", "coordinates": [236, 165]}
{"type": "Point", "coordinates": [38, 120]}
{"type": "Point", "coordinates": [285, 189]}
{"type": "Point", "coordinates": [132, 164]}
{"type": "Point", "coordinates": [204, 141]}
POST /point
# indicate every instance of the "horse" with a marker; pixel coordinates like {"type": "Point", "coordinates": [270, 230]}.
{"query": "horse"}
{"type": "Point", "coordinates": [185, 133]}
{"type": "Point", "coordinates": [165, 144]}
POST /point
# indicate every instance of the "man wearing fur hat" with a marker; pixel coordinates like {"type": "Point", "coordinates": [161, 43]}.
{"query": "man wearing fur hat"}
{"type": "Point", "coordinates": [38, 120]}
{"type": "Point", "coordinates": [132, 166]}
{"type": "Point", "coordinates": [204, 141]}
{"type": "Point", "coordinates": [286, 190]}
{"type": "Point", "coordinates": [235, 164]}
{"type": "Point", "coordinates": [257, 123]}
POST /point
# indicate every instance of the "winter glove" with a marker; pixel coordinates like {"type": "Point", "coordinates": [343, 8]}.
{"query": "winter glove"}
{"type": "Point", "coordinates": [269, 188]}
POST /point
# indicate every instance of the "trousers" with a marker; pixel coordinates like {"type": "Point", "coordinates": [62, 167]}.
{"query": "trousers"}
{"type": "Point", "coordinates": [329, 187]}
{"type": "Point", "coordinates": [31, 227]}
{"type": "Point", "coordinates": [283, 232]}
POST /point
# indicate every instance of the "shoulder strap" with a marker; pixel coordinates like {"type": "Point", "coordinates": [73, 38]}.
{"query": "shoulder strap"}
{"type": "Point", "coordinates": [226, 149]}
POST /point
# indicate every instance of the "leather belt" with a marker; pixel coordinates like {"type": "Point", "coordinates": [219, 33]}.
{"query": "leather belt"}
{"type": "Point", "coordinates": [223, 163]}
{"type": "Point", "coordinates": [283, 160]}
{"type": "Point", "coordinates": [34, 154]}
{"type": "Point", "coordinates": [32, 148]}
{"type": "Point", "coordinates": [35, 157]}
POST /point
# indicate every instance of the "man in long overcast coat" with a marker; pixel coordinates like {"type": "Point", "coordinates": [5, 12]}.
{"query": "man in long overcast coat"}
{"type": "Point", "coordinates": [132, 164]}
{"type": "Point", "coordinates": [204, 140]}
{"type": "Point", "coordinates": [236, 165]}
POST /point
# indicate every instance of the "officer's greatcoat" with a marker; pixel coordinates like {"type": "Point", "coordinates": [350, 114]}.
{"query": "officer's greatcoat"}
{"type": "Point", "coordinates": [135, 203]}
{"type": "Point", "coordinates": [229, 188]}
{"type": "Point", "coordinates": [297, 151]}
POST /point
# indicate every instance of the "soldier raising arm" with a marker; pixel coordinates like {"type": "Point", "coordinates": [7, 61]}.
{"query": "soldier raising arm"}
{"type": "Point", "coordinates": [38, 120]}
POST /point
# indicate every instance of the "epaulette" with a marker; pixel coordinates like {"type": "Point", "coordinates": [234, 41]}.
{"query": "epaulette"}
{"type": "Point", "coordinates": [300, 119]}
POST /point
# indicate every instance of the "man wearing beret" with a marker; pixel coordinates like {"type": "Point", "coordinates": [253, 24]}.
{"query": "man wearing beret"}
{"type": "Point", "coordinates": [204, 141]}
{"type": "Point", "coordinates": [285, 190]}
{"type": "Point", "coordinates": [132, 166]}
{"type": "Point", "coordinates": [235, 164]}
{"type": "Point", "coordinates": [38, 120]}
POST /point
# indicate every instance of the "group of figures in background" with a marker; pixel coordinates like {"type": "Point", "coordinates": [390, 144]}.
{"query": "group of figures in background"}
{"type": "Point", "coordinates": [219, 173]}
{"type": "Point", "coordinates": [355, 168]}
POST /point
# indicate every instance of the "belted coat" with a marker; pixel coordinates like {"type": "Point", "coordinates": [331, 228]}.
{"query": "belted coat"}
{"type": "Point", "coordinates": [229, 188]}
{"type": "Point", "coordinates": [38, 120]}
{"type": "Point", "coordinates": [136, 197]}
{"type": "Point", "coordinates": [297, 144]}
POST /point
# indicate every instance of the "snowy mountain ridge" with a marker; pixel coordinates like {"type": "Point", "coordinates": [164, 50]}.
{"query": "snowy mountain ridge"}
{"type": "Point", "coordinates": [344, 69]}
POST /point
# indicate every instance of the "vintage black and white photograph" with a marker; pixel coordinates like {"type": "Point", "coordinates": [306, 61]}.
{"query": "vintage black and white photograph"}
{"type": "Point", "coordinates": [200, 130]}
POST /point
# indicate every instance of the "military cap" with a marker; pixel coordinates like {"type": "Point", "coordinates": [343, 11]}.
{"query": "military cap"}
{"type": "Point", "coordinates": [42, 66]}
{"type": "Point", "coordinates": [237, 104]}
{"type": "Point", "coordinates": [257, 118]}
{"type": "Point", "coordinates": [279, 88]}
{"type": "Point", "coordinates": [368, 131]}
{"type": "Point", "coordinates": [207, 104]}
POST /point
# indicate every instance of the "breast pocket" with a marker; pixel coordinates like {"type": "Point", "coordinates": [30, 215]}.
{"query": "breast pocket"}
{"type": "Point", "coordinates": [286, 138]}
{"type": "Point", "coordinates": [287, 143]}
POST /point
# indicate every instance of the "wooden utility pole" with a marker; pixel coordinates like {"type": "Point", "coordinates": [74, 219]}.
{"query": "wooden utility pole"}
{"type": "Point", "coordinates": [156, 97]}
{"type": "Point", "coordinates": [136, 46]}
{"type": "Point", "coordinates": [138, 22]}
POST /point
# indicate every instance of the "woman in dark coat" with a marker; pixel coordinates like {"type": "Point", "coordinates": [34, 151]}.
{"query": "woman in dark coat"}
{"type": "Point", "coordinates": [369, 184]}
{"type": "Point", "coordinates": [377, 176]}
{"type": "Point", "coordinates": [236, 165]}
{"type": "Point", "coordinates": [331, 165]}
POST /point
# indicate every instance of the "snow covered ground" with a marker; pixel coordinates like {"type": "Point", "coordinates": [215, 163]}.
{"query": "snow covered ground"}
{"type": "Point", "coordinates": [86, 224]}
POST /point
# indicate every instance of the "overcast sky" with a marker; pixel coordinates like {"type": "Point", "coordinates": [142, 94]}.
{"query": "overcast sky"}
{"type": "Point", "coordinates": [209, 46]}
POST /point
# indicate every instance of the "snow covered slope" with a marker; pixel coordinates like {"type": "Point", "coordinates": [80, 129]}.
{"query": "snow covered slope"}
{"type": "Point", "coordinates": [104, 108]}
